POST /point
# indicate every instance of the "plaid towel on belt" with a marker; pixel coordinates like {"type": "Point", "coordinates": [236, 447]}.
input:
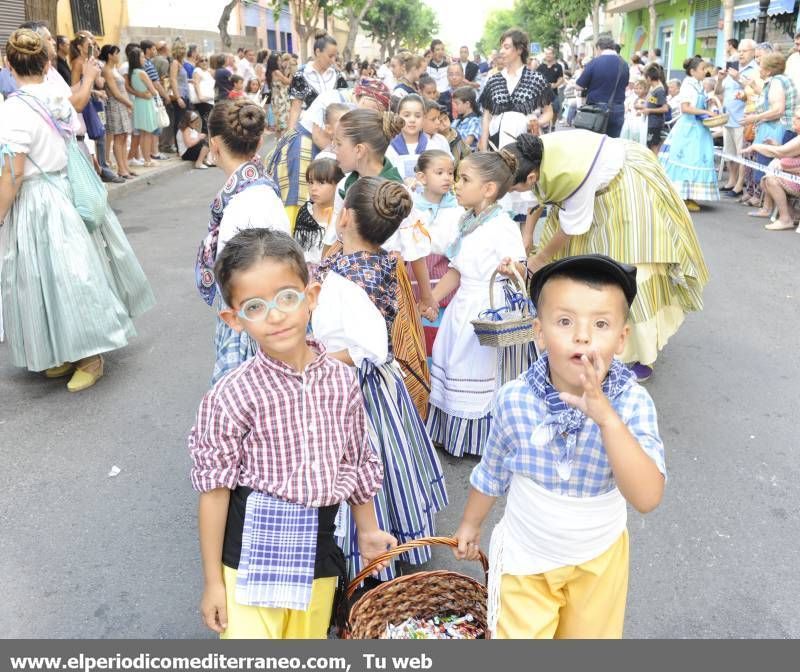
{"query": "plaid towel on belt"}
{"type": "Point", "coordinates": [279, 545]}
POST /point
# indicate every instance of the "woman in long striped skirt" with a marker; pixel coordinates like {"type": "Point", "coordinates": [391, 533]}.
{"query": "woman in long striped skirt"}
{"type": "Point", "coordinates": [357, 309]}
{"type": "Point", "coordinates": [612, 197]}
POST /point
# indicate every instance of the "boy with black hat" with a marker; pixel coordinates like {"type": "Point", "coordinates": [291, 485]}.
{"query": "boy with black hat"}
{"type": "Point", "coordinates": [572, 441]}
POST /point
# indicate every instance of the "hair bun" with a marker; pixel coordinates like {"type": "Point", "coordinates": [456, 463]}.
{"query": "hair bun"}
{"type": "Point", "coordinates": [392, 201]}
{"type": "Point", "coordinates": [26, 42]}
{"type": "Point", "coordinates": [530, 147]}
{"type": "Point", "coordinates": [509, 159]}
{"type": "Point", "coordinates": [246, 119]}
{"type": "Point", "coordinates": [319, 33]}
{"type": "Point", "coordinates": [392, 125]}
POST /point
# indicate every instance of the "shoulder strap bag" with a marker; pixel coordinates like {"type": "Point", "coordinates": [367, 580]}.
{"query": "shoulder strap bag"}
{"type": "Point", "coordinates": [594, 116]}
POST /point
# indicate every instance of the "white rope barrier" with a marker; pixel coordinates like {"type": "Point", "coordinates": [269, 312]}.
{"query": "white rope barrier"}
{"type": "Point", "coordinates": [758, 166]}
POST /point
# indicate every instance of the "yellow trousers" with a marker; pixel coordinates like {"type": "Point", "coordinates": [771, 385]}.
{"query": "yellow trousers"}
{"type": "Point", "coordinates": [246, 622]}
{"type": "Point", "coordinates": [584, 601]}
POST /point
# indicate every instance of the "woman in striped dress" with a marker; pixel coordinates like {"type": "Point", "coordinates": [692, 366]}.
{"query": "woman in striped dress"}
{"type": "Point", "coordinates": [357, 309]}
{"type": "Point", "coordinates": [612, 197]}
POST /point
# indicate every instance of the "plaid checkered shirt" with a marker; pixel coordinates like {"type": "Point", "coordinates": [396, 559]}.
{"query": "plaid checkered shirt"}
{"type": "Point", "coordinates": [532, 431]}
{"type": "Point", "coordinates": [299, 437]}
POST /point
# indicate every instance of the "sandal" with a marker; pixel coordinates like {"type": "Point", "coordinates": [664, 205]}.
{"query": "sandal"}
{"type": "Point", "coordinates": [691, 205]}
{"type": "Point", "coordinates": [148, 164]}
{"type": "Point", "coordinates": [778, 225]}
{"type": "Point", "coordinates": [759, 213]}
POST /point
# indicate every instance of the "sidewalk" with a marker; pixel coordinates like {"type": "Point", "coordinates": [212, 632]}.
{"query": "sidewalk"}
{"type": "Point", "coordinates": [147, 176]}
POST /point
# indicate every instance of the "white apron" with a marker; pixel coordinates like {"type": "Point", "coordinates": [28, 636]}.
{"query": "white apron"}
{"type": "Point", "coordinates": [542, 530]}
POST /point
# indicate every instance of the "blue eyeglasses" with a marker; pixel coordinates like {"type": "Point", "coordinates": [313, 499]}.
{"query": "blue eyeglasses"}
{"type": "Point", "coordinates": [286, 301]}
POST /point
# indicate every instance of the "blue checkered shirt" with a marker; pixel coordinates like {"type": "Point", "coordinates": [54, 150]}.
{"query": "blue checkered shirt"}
{"type": "Point", "coordinates": [520, 412]}
{"type": "Point", "coordinates": [470, 125]}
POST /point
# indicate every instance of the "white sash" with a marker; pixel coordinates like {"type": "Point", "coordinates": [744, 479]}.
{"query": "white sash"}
{"type": "Point", "coordinates": [542, 530]}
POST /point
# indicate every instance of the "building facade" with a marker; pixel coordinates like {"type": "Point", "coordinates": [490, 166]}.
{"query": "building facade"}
{"type": "Point", "coordinates": [681, 28]}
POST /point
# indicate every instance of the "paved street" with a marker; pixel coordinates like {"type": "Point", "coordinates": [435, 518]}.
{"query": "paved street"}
{"type": "Point", "coordinates": [88, 555]}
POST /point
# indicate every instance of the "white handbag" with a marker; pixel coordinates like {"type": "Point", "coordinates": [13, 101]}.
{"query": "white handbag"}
{"type": "Point", "coordinates": [163, 115]}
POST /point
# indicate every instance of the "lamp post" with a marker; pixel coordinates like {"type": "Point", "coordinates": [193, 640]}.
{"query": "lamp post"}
{"type": "Point", "coordinates": [761, 24]}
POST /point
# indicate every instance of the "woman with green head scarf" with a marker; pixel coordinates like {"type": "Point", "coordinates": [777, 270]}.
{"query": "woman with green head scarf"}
{"type": "Point", "coordinates": [611, 196]}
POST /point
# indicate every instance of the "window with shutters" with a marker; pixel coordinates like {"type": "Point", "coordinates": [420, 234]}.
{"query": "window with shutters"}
{"type": "Point", "coordinates": [86, 15]}
{"type": "Point", "coordinates": [707, 14]}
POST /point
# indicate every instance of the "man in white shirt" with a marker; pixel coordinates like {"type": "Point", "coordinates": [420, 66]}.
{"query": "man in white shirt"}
{"type": "Point", "coordinates": [244, 66]}
{"type": "Point", "coordinates": [385, 75]}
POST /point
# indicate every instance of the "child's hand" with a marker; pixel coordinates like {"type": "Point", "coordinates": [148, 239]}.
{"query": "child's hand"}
{"type": "Point", "coordinates": [594, 404]}
{"type": "Point", "coordinates": [468, 537]}
{"type": "Point", "coordinates": [375, 543]}
{"type": "Point", "coordinates": [506, 267]}
{"type": "Point", "coordinates": [213, 607]}
{"type": "Point", "coordinates": [429, 309]}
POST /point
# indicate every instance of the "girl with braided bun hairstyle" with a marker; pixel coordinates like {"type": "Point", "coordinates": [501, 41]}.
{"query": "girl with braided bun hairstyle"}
{"type": "Point", "coordinates": [359, 304]}
{"type": "Point", "coordinates": [248, 200]}
{"type": "Point", "coordinates": [464, 374]}
{"type": "Point", "coordinates": [360, 141]}
{"type": "Point", "coordinates": [68, 295]}
{"type": "Point", "coordinates": [611, 196]}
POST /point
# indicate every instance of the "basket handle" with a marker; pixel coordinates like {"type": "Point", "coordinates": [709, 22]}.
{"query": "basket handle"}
{"type": "Point", "coordinates": [402, 548]}
{"type": "Point", "coordinates": [517, 277]}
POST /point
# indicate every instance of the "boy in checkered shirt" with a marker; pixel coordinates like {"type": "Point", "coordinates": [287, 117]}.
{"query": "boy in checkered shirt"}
{"type": "Point", "coordinates": [279, 443]}
{"type": "Point", "coordinates": [573, 440]}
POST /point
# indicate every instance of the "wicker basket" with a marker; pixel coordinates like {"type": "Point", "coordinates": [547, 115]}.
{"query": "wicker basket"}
{"type": "Point", "coordinates": [504, 333]}
{"type": "Point", "coordinates": [718, 120]}
{"type": "Point", "coordinates": [419, 595]}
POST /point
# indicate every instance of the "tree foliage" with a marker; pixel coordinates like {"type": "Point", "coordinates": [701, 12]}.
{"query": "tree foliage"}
{"type": "Point", "coordinates": [400, 23]}
{"type": "Point", "coordinates": [548, 22]}
{"type": "Point", "coordinates": [352, 11]}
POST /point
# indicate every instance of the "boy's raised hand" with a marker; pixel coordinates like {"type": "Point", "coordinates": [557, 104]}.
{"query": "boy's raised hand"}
{"type": "Point", "coordinates": [213, 607]}
{"type": "Point", "coordinates": [374, 543]}
{"type": "Point", "coordinates": [593, 403]}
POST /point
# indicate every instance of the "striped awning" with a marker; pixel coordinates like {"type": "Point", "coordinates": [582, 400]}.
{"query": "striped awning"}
{"type": "Point", "coordinates": [749, 10]}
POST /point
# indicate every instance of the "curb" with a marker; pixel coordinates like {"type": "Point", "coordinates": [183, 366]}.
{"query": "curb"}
{"type": "Point", "coordinates": [168, 167]}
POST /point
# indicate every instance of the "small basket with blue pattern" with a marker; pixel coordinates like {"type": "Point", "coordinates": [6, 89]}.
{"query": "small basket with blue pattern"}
{"type": "Point", "coordinates": [509, 325]}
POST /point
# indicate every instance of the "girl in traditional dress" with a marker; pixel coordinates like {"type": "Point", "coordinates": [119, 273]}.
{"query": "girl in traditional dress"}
{"type": "Point", "coordinates": [688, 152]}
{"type": "Point", "coordinates": [248, 200]}
{"type": "Point", "coordinates": [314, 218]}
{"type": "Point", "coordinates": [406, 146]}
{"type": "Point", "coordinates": [441, 212]}
{"type": "Point", "coordinates": [464, 373]}
{"type": "Point", "coordinates": [358, 306]}
{"type": "Point", "coordinates": [68, 295]}
{"type": "Point", "coordinates": [611, 196]}
{"type": "Point", "coordinates": [360, 139]}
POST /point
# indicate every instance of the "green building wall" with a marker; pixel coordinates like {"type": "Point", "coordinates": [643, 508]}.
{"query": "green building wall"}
{"type": "Point", "coordinates": [674, 14]}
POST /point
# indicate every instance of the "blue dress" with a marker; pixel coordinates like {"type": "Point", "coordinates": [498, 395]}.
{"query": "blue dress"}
{"type": "Point", "coordinates": [688, 152]}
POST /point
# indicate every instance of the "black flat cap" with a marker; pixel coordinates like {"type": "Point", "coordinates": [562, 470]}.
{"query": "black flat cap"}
{"type": "Point", "coordinates": [623, 274]}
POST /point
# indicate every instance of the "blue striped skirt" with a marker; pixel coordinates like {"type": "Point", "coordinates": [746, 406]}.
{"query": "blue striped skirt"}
{"type": "Point", "coordinates": [413, 488]}
{"type": "Point", "coordinates": [67, 294]}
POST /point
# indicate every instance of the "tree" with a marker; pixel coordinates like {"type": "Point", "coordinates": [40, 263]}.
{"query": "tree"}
{"type": "Point", "coordinates": [397, 22]}
{"type": "Point", "coordinates": [224, 19]}
{"type": "Point", "coordinates": [305, 20]}
{"type": "Point", "coordinates": [353, 11]}
{"type": "Point", "coordinates": [42, 10]}
{"type": "Point", "coordinates": [498, 21]}
{"type": "Point", "coordinates": [424, 26]}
